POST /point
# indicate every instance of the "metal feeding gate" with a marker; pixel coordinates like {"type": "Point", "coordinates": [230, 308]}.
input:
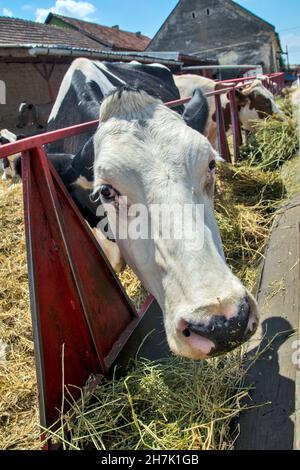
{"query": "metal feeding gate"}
{"type": "Point", "coordinates": [83, 321]}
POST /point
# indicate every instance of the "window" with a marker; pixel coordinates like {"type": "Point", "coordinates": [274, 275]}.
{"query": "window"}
{"type": "Point", "coordinates": [194, 16]}
{"type": "Point", "coordinates": [207, 11]}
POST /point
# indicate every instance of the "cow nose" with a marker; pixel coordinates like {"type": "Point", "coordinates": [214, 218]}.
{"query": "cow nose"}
{"type": "Point", "coordinates": [224, 334]}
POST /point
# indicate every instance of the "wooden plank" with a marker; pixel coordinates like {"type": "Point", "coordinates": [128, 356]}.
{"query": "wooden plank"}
{"type": "Point", "coordinates": [275, 375]}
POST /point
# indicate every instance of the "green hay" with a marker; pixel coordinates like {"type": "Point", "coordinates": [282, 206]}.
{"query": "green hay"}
{"type": "Point", "coordinates": [175, 404]}
{"type": "Point", "coordinates": [275, 139]}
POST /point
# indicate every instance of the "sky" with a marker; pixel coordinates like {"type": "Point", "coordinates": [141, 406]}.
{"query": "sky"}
{"type": "Point", "coordinates": [148, 15]}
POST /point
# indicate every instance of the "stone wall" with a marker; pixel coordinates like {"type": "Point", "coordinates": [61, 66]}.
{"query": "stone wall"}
{"type": "Point", "coordinates": [217, 29]}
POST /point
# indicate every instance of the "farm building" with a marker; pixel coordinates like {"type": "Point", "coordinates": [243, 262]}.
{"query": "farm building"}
{"type": "Point", "coordinates": [34, 57]}
{"type": "Point", "coordinates": [220, 30]}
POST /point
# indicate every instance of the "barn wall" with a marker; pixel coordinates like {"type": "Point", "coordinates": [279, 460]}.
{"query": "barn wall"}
{"type": "Point", "coordinates": [217, 29]}
{"type": "Point", "coordinates": [24, 83]}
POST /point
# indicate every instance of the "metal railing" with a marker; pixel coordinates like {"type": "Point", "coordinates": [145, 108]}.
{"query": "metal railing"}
{"type": "Point", "coordinates": [277, 78]}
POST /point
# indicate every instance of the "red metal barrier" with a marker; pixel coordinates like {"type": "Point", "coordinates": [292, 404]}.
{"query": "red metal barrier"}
{"type": "Point", "coordinates": [76, 298]}
{"type": "Point", "coordinates": [236, 128]}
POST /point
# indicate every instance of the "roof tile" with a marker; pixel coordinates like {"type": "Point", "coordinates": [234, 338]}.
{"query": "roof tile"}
{"type": "Point", "coordinates": [21, 32]}
{"type": "Point", "coordinates": [116, 38]}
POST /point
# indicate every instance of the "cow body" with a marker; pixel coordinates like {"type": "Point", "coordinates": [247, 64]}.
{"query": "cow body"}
{"type": "Point", "coordinates": [87, 83]}
{"type": "Point", "coordinates": [8, 164]}
{"type": "Point", "coordinates": [35, 115]}
{"type": "Point", "coordinates": [253, 102]}
{"type": "Point", "coordinates": [142, 156]}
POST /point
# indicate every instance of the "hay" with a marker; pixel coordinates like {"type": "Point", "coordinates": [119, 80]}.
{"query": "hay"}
{"type": "Point", "coordinates": [175, 404]}
{"type": "Point", "coordinates": [245, 202]}
{"type": "Point", "coordinates": [19, 428]}
{"type": "Point", "coordinates": [133, 287]}
{"type": "Point", "coordinates": [275, 139]}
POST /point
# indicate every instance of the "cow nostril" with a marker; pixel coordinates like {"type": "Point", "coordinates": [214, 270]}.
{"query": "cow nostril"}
{"type": "Point", "coordinates": [186, 333]}
{"type": "Point", "coordinates": [226, 333]}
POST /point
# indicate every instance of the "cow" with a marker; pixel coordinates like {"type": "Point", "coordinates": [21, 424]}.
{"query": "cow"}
{"type": "Point", "coordinates": [253, 102]}
{"type": "Point", "coordinates": [144, 154]}
{"type": "Point", "coordinates": [33, 115]}
{"type": "Point", "coordinates": [8, 164]}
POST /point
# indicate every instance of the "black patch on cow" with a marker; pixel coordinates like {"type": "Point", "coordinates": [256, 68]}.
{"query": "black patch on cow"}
{"type": "Point", "coordinates": [83, 162]}
{"type": "Point", "coordinates": [196, 111]}
{"type": "Point", "coordinates": [156, 81]}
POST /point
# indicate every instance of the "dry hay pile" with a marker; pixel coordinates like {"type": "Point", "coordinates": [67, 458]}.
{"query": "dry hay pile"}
{"type": "Point", "coordinates": [18, 392]}
{"type": "Point", "coordinates": [194, 401]}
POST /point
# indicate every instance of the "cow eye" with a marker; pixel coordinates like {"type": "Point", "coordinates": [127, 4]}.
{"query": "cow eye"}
{"type": "Point", "coordinates": [107, 192]}
{"type": "Point", "coordinates": [212, 165]}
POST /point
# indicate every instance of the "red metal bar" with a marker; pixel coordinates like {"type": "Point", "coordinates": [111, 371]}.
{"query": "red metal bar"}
{"type": "Point", "coordinates": [222, 138]}
{"type": "Point", "coordinates": [236, 128]}
{"type": "Point", "coordinates": [42, 139]}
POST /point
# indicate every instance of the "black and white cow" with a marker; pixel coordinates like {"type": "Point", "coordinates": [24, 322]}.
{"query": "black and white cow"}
{"type": "Point", "coordinates": [87, 83]}
{"type": "Point", "coordinates": [144, 152]}
{"type": "Point", "coordinates": [81, 93]}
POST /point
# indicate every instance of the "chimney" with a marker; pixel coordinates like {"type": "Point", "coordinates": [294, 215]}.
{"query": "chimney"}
{"type": "Point", "coordinates": [116, 26]}
{"type": "Point", "coordinates": [138, 34]}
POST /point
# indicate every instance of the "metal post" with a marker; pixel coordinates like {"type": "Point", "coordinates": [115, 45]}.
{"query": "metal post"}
{"type": "Point", "coordinates": [235, 124]}
{"type": "Point", "coordinates": [222, 138]}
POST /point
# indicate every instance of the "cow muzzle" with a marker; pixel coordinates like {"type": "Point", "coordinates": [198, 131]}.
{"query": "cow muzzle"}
{"type": "Point", "coordinates": [221, 333]}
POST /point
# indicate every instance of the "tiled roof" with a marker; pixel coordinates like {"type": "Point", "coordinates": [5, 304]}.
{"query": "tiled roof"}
{"type": "Point", "coordinates": [113, 37]}
{"type": "Point", "coordinates": [21, 32]}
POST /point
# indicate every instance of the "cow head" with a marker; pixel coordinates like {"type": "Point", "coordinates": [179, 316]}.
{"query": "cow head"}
{"type": "Point", "coordinates": [27, 116]}
{"type": "Point", "coordinates": [255, 102]}
{"type": "Point", "coordinates": [146, 158]}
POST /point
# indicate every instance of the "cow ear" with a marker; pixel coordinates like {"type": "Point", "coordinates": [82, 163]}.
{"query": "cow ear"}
{"type": "Point", "coordinates": [196, 111]}
{"type": "Point", "coordinates": [30, 106]}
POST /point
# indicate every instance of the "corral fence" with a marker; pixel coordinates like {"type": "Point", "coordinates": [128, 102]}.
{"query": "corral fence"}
{"type": "Point", "coordinates": [83, 321]}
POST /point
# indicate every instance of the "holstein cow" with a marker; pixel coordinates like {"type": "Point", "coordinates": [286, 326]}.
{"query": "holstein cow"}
{"type": "Point", "coordinates": [33, 115]}
{"type": "Point", "coordinates": [8, 164]}
{"type": "Point", "coordinates": [145, 152]}
{"type": "Point", "coordinates": [253, 102]}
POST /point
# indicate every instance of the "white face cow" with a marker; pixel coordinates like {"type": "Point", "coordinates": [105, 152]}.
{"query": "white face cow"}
{"type": "Point", "coordinates": [145, 151]}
